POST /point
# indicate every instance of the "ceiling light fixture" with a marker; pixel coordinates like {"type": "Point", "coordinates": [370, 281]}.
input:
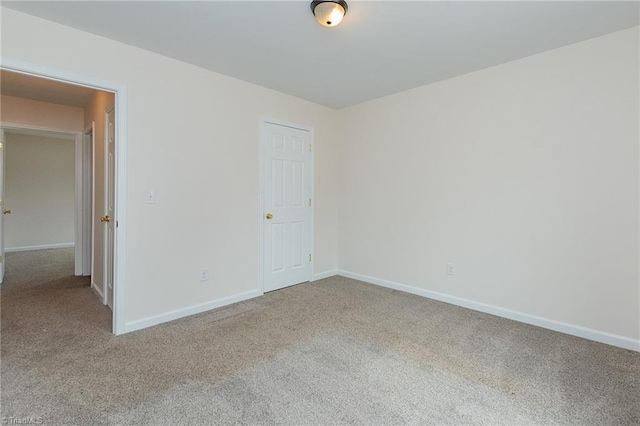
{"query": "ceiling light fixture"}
{"type": "Point", "coordinates": [329, 13]}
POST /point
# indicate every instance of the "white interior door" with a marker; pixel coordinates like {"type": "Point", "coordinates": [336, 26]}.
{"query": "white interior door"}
{"type": "Point", "coordinates": [108, 219]}
{"type": "Point", "coordinates": [2, 145]}
{"type": "Point", "coordinates": [287, 206]}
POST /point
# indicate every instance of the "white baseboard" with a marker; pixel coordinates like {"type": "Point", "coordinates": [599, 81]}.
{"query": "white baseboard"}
{"type": "Point", "coordinates": [95, 288]}
{"type": "Point", "coordinates": [325, 274]}
{"type": "Point", "coordinates": [574, 330]}
{"type": "Point", "coordinates": [42, 247]}
{"type": "Point", "coordinates": [192, 310]}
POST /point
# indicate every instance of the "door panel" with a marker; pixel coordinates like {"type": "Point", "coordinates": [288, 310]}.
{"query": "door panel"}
{"type": "Point", "coordinates": [297, 244]}
{"type": "Point", "coordinates": [286, 210]}
{"type": "Point", "coordinates": [277, 256]}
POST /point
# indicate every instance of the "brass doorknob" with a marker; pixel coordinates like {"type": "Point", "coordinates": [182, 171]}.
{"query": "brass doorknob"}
{"type": "Point", "coordinates": [105, 219]}
{"type": "Point", "coordinates": [6, 212]}
{"type": "Point", "coordinates": [269, 216]}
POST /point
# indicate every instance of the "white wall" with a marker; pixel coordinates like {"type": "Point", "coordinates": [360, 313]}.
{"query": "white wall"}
{"type": "Point", "coordinates": [525, 175]}
{"type": "Point", "coordinates": [41, 114]}
{"type": "Point", "coordinates": [39, 190]}
{"type": "Point", "coordinates": [94, 112]}
{"type": "Point", "coordinates": [192, 135]}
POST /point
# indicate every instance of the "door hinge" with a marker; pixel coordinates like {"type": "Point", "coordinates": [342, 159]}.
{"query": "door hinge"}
{"type": "Point", "coordinates": [309, 147]}
{"type": "Point", "coordinates": [309, 257]}
{"type": "Point", "coordinates": [309, 202]}
{"type": "Point", "coordinates": [1, 145]}
{"type": "Point", "coordinates": [116, 223]}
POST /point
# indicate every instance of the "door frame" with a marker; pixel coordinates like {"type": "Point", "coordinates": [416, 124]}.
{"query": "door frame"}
{"type": "Point", "coordinates": [88, 201]}
{"type": "Point", "coordinates": [40, 131]}
{"type": "Point", "coordinates": [261, 163]}
{"type": "Point", "coordinates": [120, 92]}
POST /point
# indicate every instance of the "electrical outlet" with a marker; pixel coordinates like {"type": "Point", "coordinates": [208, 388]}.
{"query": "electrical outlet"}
{"type": "Point", "coordinates": [451, 268]}
{"type": "Point", "coordinates": [204, 274]}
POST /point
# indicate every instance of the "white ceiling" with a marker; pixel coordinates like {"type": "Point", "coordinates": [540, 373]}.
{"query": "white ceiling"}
{"type": "Point", "coordinates": [40, 89]}
{"type": "Point", "coordinates": [381, 47]}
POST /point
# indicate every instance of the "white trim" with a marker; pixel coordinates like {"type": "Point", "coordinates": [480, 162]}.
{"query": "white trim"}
{"type": "Point", "coordinates": [278, 122]}
{"type": "Point", "coordinates": [562, 327]}
{"type": "Point", "coordinates": [88, 202]}
{"type": "Point", "coordinates": [120, 92]}
{"type": "Point", "coordinates": [325, 274]}
{"type": "Point", "coordinates": [270, 120]}
{"type": "Point", "coordinates": [260, 208]}
{"type": "Point", "coordinates": [95, 288]}
{"type": "Point", "coordinates": [312, 195]}
{"type": "Point", "coordinates": [40, 247]}
{"type": "Point", "coordinates": [79, 217]}
{"type": "Point", "coordinates": [119, 254]}
{"type": "Point", "coordinates": [192, 310]}
{"type": "Point", "coordinates": [39, 131]}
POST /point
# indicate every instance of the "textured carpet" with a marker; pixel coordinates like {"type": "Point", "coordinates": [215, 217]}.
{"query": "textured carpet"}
{"type": "Point", "coordinates": [336, 351]}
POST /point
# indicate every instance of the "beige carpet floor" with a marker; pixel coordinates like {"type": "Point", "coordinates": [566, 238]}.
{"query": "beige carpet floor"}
{"type": "Point", "coordinates": [336, 351]}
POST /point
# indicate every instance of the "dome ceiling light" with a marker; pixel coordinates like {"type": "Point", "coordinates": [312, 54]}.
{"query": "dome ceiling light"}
{"type": "Point", "coordinates": [329, 13]}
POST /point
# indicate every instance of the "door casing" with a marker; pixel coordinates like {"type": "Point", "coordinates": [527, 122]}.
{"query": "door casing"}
{"type": "Point", "coordinates": [88, 200]}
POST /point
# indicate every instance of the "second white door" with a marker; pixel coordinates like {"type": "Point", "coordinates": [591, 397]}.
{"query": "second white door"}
{"type": "Point", "coordinates": [2, 145]}
{"type": "Point", "coordinates": [109, 219]}
{"type": "Point", "coordinates": [287, 206]}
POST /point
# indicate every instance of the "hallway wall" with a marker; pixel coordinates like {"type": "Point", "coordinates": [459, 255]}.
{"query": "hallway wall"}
{"type": "Point", "coordinates": [40, 191]}
{"type": "Point", "coordinates": [42, 114]}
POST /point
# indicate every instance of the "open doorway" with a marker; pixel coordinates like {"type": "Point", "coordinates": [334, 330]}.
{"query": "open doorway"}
{"type": "Point", "coordinates": [39, 231]}
{"type": "Point", "coordinates": [41, 107]}
{"type": "Point", "coordinates": [39, 190]}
